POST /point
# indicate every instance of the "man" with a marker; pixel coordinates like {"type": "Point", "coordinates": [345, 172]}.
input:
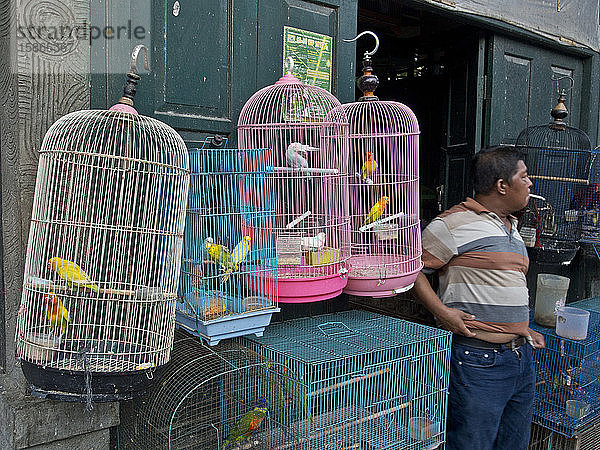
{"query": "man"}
{"type": "Point", "coordinates": [483, 299]}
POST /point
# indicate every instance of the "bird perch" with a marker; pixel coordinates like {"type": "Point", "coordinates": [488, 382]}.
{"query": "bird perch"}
{"type": "Point", "coordinates": [377, 222]}
{"type": "Point", "coordinates": [298, 219]}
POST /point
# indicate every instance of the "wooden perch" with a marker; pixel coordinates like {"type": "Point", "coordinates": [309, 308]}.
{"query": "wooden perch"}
{"type": "Point", "coordinates": [565, 179]}
{"type": "Point", "coordinates": [346, 383]}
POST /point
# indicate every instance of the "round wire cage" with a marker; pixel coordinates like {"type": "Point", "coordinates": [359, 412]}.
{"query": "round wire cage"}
{"type": "Point", "coordinates": [384, 197]}
{"type": "Point", "coordinates": [204, 394]}
{"type": "Point", "coordinates": [103, 258]}
{"type": "Point", "coordinates": [558, 159]}
{"type": "Point", "coordinates": [229, 242]}
{"type": "Point", "coordinates": [310, 185]}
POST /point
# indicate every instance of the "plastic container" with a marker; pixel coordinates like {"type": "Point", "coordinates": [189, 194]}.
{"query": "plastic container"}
{"type": "Point", "coordinates": [422, 429]}
{"type": "Point", "coordinates": [572, 323]}
{"type": "Point", "coordinates": [577, 409]}
{"type": "Point", "coordinates": [551, 294]}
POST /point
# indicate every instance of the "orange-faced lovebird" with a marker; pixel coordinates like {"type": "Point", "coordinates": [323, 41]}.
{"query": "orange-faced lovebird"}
{"type": "Point", "coordinates": [56, 313]}
{"type": "Point", "coordinates": [369, 166]}
{"type": "Point", "coordinates": [377, 210]}
{"type": "Point", "coordinates": [72, 273]}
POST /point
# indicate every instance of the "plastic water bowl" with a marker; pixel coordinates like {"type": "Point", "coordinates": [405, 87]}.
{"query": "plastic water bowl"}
{"type": "Point", "coordinates": [572, 323]}
{"type": "Point", "coordinates": [577, 409]}
{"type": "Point", "coordinates": [422, 428]}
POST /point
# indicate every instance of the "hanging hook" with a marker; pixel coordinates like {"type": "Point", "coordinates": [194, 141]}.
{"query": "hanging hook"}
{"type": "Point", "coordinates": [558, 78]}
{"type": "Point", "coordinates": [289, 64]}
{"type": "Point", "coordinates": [134, 56]}
{"type": "Point", "coordinates": [367, 53]}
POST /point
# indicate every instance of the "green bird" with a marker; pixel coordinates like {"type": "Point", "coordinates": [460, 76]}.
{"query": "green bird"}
{"type": "Point", "coordinates": [219, 253]}
{"type": "Point", "coordinates": [247, 424]}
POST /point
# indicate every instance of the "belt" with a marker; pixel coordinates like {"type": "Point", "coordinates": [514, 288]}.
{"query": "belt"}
{"type": "Point", "coordinates": [478, 343]}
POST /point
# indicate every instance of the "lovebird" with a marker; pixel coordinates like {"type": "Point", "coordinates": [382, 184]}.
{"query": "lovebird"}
{"type": "Point", "coordinates": [239, 254]}
{"type": "Point", "coordinates": [295, 155]}
{"type": "Point", "coordinates": [369, 166]}
{"type": "Point", "coordinates": [247, 424]}
{"type": "Point", "coordinates": [377, 210]}
{"type": "Point", "coordinates": [56, 313]}
{"type": "Point", "coordinates": [219, 253]}
{"type": "Point", "coordinates": [72, 273]}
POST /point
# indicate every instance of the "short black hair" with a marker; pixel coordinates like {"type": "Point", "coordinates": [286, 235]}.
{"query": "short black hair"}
{"type": "Point", "coordinates": [492, 164]}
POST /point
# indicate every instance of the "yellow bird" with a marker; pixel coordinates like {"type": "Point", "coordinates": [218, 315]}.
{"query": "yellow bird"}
{"type": "Point", "coordinates": [219, 253]}
{"type": "Point", "coordinates": [72, 273]}
{"type": "Point", "coordinates": [369, 166]}
{"type": "Point", "coordinates": [377, 210]}
{"type": "Point", "coordinates": [239, 254]}
{"type": "Point", "coordinates": [56, 313]}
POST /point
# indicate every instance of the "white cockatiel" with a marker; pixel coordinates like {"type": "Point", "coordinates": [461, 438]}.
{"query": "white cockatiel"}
{"type": "Point", "coordinates": [314, 243]}
{"type": "Point", "coordinates": [296, 154]}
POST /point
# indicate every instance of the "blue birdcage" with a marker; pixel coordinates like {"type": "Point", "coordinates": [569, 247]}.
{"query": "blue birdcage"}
{"type": "Point", "coordinates": [589, 304]}
{"type": "Point", "coordinates": [357, 380]}
{"type": "Point", "coordinates": [229, 236]}
{"type": "Point", "coordinates": [587, 202]}
{"type": "Point", "coordinates": [567, 397]}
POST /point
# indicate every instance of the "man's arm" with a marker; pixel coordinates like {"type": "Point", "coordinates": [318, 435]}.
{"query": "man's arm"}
{"type": "Point", "coordinates": [452, 319]}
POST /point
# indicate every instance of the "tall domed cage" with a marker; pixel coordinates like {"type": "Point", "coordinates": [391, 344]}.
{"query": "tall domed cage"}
{"type": "Point", "coordinates": [229, 242]}
{"type": "Point", "coordinates": [558, 159]}
{"type": "Point", "coordinates": [385, 232]}
{"type": "Point", "coordinates": [227, 398]}
{"type": "Point", "coordinates": [311, 190]}
{"type": "Point", "coordinates": [97, 313]}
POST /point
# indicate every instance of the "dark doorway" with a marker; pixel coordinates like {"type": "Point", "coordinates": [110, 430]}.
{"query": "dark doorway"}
{"type": "Point", "coordinates": [431, 63]}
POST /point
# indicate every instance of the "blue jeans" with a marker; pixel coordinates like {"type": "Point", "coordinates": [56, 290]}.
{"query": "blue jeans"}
{"type": "Point", "coordinates": [490, 398]}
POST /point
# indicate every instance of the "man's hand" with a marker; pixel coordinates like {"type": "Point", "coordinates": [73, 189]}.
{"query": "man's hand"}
{"type": "Point", "coordinates": [537, 339]}
{"type": "Point", "coordinates": [453, 319]}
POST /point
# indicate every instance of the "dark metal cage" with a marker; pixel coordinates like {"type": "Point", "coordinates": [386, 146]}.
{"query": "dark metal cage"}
{"type": "Point", "coordinates": [558, 159]}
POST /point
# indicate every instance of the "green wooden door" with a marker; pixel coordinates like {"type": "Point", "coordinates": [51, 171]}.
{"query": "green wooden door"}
{"type": "Point", "coordinates": [208, 57]}
{"type": "Point", "coordinates": [520, 89]}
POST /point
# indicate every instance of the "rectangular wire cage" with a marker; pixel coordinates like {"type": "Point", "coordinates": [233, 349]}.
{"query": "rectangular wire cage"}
{"type": "Point", "coordinates": [589, 304]}
{"type": "Point", "coordinates": [228, 241]}
{"type": "Point", "coordinates": [360, 380]}
{"type": "Point", "coordinates": [567, 394]}
{"type": "Point", "coordinates": [544, 439]}
{"type": "Point", "coordinates": [587, 201]}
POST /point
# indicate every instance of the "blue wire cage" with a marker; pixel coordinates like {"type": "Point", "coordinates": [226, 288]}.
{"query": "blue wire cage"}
{"type": "Point", "coordinates": [589, 304]}
{"type": "Point", "coordinates": [356, 380]}
{"type": "Point", "coordinates": [588, 202]}
{"type": "Point", "coordinates": [567, 397]}
{"type": "Point", "coordinates": [229, 235]}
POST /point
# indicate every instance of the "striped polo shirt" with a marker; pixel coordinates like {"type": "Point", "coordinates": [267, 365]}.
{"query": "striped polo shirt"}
{"type": "Point", "coordinates": [481, 265]}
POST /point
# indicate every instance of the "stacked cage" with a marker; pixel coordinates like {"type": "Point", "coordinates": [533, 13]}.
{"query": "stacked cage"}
{"type": "Point", "coordinates": [567, 395]}
{"type": "Point", "coordinates": [310, 163]}
{"type": "Point", "coordinates": [558, 159]}
{"type": "Point", "coordinates": [227, 398]}
{"type": "Point", "coordinates": [545, 439]}
{"type": "Point", "coordinates": [104, 253]}
{"type": "Point", "coordinates": [385, 234]}
{"type": "Point", "coordinates": [587, 202]}
{"type": "Point", "coordinates": [361, 380]}
{"type": "Point", "coordinates": [229, 243]}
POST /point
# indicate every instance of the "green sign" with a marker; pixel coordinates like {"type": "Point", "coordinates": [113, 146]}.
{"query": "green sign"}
{"type": "Point", "coordinates": [312, 55]}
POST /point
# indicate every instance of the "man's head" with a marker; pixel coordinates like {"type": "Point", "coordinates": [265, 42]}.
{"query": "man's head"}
{"type": "Point", "coordinates": [500, 172]}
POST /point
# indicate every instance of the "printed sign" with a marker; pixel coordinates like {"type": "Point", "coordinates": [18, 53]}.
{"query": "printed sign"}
{"type": "Point", "coordinates": [312, 55]}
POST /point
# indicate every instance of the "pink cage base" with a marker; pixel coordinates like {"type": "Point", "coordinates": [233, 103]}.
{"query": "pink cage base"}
{"type": "Point", "coordinates": [365, 277]}
{"type": "Point", "coordinates": [297, 288]}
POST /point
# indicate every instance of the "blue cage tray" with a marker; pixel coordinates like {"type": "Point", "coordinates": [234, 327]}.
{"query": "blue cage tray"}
{"type": "Point", "coordinates": [230, 326]}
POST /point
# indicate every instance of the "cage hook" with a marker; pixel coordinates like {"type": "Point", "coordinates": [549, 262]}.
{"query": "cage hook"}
{"type": "Point", "coordinates": [134, 56]}
{"type": "Point", "coordinates": [558, 78]}
{"type": "Point", "coordinates": [289, 64]}
{"type": "Point", "coordinates": [367, 53]}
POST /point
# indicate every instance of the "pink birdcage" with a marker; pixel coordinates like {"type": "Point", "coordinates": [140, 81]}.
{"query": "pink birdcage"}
{"type": "Point", "coordinates": [310, 169]}
{"type": "Point", "coordinates": [384, 192]}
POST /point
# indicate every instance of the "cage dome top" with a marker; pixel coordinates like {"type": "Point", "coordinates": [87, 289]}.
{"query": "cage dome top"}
{"type": "Point", "coordinates": [119, 135]}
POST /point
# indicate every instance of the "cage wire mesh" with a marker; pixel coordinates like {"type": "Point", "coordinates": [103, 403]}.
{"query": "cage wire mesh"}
{"type": "Point", "coordinates": [567, 394]}
{"type": "Point", "coordinates": [589, 304]}
{"type": "Point", "coordinates": [558, 159]}
{"type": "Point", "coordinates": [229, 244]}
{"type": "Point", "coordinates": [310, 157]}
{"type": "Point", "coordinates": [587, 202]}
{"type": "Point", "coordinates": [545, 439]}
{"type": "Point", "coordinates": [104, 248]}
{"type": "Point", "coordinates": [204, 394]}
{"type": "Point", "coordinates": [366, 381]}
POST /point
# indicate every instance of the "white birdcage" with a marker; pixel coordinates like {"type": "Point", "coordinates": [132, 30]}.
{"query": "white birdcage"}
{"type": "Point", "coordinates": [310, 182]}
{"type": "Point", "coordinates": [383, 190]}
{"type": "Point", "coordinates": [97, 312]}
